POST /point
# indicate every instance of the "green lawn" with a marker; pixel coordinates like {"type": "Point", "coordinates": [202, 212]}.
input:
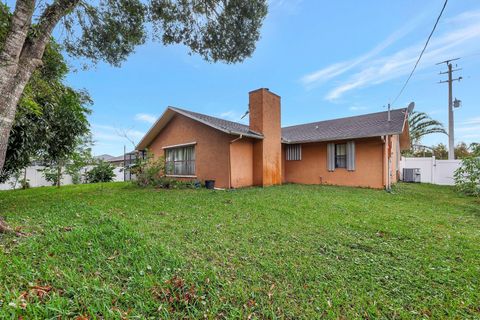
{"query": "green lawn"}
{"type": "Point", "coordinates": [116, 251]}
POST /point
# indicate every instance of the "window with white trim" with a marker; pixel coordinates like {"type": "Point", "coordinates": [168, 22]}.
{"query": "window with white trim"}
{"type": "Point", "coordinates": [293, 152]}
{"type": "Point", "coordinates": [180, 161]}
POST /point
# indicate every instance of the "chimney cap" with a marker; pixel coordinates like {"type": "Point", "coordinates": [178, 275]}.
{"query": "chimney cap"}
{"type": "Point", "coordinates": [264, 89]}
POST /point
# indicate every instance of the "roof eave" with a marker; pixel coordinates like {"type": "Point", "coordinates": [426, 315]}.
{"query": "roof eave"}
{"type": "Point", "coordinates": [145, 142]}
{"type": "Point", "coordinates": [285, 141]}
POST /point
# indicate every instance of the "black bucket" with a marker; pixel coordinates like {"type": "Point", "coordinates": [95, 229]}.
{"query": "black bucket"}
{"type": "Point", "coordinates": [210, 184]}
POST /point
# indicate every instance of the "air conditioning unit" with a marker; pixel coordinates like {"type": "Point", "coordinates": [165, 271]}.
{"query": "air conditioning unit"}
{"type": "Point", "coordinates": [411, 174]}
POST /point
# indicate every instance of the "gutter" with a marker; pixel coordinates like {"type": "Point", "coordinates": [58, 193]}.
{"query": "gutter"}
{"type": "Point", "coordinates": [386, 157]}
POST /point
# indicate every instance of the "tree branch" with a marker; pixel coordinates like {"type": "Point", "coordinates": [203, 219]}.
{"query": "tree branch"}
{"type": "Point", "coordinates": [21, 21]}
{"type": "Point", "coordinates": [50, 17]}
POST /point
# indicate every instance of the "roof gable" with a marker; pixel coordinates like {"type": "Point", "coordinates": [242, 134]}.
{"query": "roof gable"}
{"type": "Point", "coordinates": [223, 125]}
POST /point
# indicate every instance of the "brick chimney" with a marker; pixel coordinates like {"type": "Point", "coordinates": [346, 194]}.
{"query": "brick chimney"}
{"type": "Point", "coordinates": [264, 107]}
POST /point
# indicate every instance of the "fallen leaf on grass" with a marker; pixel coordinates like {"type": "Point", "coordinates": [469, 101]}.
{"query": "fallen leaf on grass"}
{"type": "Point", "coordinates": [270, 292]}
{"type": "Point", "coordinates": [39, 292]}
{"type": "Point", "coordinates": [115, 254]}
{"type": "Point", "coordinates": [123, 314]}
{"type": "Point", "coordinates": [380, 234]}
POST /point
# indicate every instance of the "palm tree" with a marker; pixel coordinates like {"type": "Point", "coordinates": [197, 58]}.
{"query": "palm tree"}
{"type": "Point", "coordinates": [421, 125]}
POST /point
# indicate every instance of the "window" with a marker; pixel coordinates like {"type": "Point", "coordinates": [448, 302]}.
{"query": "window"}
{"type": "Point", "coordinates": [180, 161]}
{"type": "Point", "coordinates": [340, 155]}
{"type": "Point", "coordinates": [294, 152]}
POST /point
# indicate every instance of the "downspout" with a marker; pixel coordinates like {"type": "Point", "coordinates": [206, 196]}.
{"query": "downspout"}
{"type": "Point", "coordinates": [230, 161]}
{"type": "Point", "coordinates": [387, 159]}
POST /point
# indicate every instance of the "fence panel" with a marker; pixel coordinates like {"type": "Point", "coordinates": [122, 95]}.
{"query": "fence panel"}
{"type": "Point", "coordinates": [426, 166]}
{"type": "Point", "coordinates": [432, 170]}
{"type": "Point", "coordinates": [444, 171]}
{"type": "Point", "coordinates": [36, 178]}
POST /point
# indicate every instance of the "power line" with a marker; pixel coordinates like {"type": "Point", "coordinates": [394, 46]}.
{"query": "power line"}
{"type": "Point", "coordinates": [421, 54]}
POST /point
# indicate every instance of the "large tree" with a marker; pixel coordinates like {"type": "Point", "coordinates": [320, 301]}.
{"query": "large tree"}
{"type": "Point", "coordinates": [109, 30]}
{"type": "Point", "coordinates": [51, 117]}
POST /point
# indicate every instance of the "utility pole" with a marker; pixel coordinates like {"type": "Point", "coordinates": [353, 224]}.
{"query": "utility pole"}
{"type": "Point", "coordinates": [451, 129]}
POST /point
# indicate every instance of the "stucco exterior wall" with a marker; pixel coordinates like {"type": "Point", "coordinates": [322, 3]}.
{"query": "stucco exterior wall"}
{"type": "Point", "coordinates": [241, 163]}
{"type": "Point", "coordinates": [212, 147]}
{"type": "Point", "coordinates": [312, 169]}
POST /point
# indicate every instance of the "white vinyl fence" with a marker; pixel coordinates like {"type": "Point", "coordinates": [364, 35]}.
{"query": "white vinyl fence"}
{"type": "Point", "coordinates": [432, 170]}
{"type": "Point", "coordinates": [36, 178]}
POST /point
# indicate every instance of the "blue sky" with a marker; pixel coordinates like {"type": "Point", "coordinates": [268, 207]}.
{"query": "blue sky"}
{"type": "Point", "coordinates": [326, 59]}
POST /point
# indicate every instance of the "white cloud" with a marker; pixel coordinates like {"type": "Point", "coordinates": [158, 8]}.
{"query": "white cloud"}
{"type": "Point", "coordinates": [336, 69]}
{"type": "Point", "coordinates": [371, 69]}
{"type": "Point", "coordinates": [145, 118]}
{"type": "Point", "coordinates": [232, 115]}
{"type": "Point", "coordinates": [475, 120]}
{"type": "Point", "coordinates": [436, 111]}
{"type": "Point", "coordinates": [470, 137]}
{"type": "Point", "coordinates": [468, 129]}
{"type": "Point", "coordinates": [357, 108]}
{"type": "Point", "coordinates": [287, 6]}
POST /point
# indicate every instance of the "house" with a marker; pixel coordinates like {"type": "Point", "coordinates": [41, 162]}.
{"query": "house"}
{"type": "Point", "coordinates": [355, 151]}
{"type": "Point", "coordinates": [115, 161]}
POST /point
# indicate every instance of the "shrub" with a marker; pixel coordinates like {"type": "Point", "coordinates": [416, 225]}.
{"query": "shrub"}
{"type": "Point", "coordinates": [24, 183]}
{"type": "Point", "coordinates": [52, 174]}
{"type": "Point", "coordinates": [467, 177]}
{"type": "Point", "coordinates": [76, 177]}
{"type": "Point", "coordinates": [102, 172]}
{"type": "Point", "coordinates": [151, 172]}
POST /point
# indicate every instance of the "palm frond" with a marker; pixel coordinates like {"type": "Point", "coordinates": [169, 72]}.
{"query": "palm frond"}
{"type": "Point", "coordinates": [421, 124]}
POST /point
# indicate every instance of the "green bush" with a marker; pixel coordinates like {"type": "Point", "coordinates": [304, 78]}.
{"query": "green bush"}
{"type": "Point", "coordinates": [102, 172]}
{"type": "Point", "coordinates": [52, 174]}
{"type": "Point", "coordinates": [467, 177]}
{"type": "Point", "coordinates": [151, 172]}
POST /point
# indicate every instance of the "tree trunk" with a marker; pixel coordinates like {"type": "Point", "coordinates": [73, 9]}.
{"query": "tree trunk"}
{"type": "Point", "coordinates": [11, 89]}
{"type": "Point", "coordinates": [21, 55]}
{"type": "Point", "coordinates": [11, 86]}
{"type": "Point", "coordinates": [59, 173]}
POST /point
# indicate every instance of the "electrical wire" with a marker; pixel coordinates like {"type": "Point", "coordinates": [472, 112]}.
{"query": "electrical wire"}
{"type": "Point", "coordinates": [421, 54]}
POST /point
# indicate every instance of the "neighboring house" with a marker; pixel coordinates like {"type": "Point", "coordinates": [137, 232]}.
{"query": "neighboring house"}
{"type": "Point", "coordinates": [355, 151]}
{"type": "Point", "coordinates": [119, 161]}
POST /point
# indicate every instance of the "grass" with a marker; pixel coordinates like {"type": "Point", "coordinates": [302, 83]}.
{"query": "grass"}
{"type": "Point", "coordinates": [116, 251]}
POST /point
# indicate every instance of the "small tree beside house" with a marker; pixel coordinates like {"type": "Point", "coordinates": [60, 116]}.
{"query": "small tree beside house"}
{"type": "Point", "coordinates": [467, 177]}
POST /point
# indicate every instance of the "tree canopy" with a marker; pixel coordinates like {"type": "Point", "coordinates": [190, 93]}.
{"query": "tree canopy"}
{"type": "Point", "coordinates": [109, 30]}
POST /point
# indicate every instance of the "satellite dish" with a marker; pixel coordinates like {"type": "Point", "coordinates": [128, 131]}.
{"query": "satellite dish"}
{"type": "Point", "coordinates": [410, 107]}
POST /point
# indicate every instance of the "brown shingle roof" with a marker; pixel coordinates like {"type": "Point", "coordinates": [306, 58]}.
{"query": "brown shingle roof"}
{"type": "Point", "coordinates": [363, 126]}
{"type": "Point", "coordinates": [220, 124]}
